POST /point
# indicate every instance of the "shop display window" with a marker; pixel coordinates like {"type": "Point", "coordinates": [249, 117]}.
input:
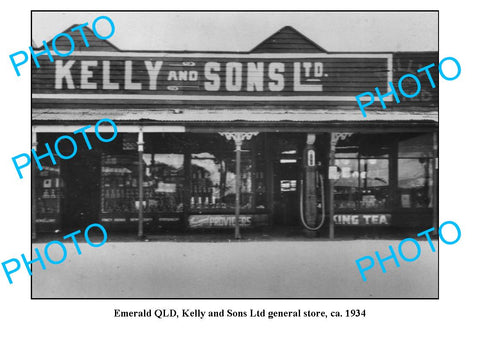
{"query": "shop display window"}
{"type": "Point", "coordinates": [49, 193]}
{"type": "Point", "coordinates": [119, 183]}
{"type": "Point", "coordinates": [362, 178]}
{"type": "Point", "coordinates": [362, 184]}
{"type": "Point", "coordinates": [213, 182]}
{"type": "Point", "coordinates": [415, 171]}
{"type": "Point", "coordinates": [213, 171]}
{"type": "Point", "coordinates": [163, 182]}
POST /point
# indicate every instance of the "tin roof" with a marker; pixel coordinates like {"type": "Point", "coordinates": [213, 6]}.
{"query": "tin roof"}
{"type": "Point", "coordinates": [232, 115]}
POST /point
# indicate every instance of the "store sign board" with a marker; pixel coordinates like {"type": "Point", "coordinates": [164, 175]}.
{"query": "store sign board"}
{"type": "Point", "coordinates": [312, 77]}
{"type": "Point", "coordinates": [225, 221]}
{"type": "Point", "coordinates": [362, 219]}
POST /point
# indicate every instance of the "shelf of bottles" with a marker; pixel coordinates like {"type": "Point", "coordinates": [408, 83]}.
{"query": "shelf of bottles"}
{"type": "Point", "coordinates": [49, 194]}
{"type": "Point", "coordinates": [260, 202]}
{"type": "Point", "coordinates": [162, 186]}
{"type": "Point", "coordinates": [119, 183]}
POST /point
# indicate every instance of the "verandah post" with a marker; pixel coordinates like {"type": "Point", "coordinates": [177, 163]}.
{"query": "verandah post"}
{"type": "Point", "coordinates": [435, 181]}
{"type": "Point", "coordinates": [34, 196]}
{"type": "Point", "coordinates": [238, 138]}
{"type": "Point", "coordinates": [238, 147]}
{"type": "Point", "coordinates": [331, 181]}
{"type": "Point", "coordinates": [140, 183]}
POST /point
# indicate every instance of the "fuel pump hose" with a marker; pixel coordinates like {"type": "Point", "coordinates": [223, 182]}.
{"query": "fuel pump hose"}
{"type": "Point", "coordinates": [322, 193]}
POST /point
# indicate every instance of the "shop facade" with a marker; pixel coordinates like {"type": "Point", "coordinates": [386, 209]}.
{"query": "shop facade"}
{"type": "Point", "coordinates": [286, 109]}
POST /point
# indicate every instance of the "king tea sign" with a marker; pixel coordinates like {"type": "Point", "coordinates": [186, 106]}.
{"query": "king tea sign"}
{"type": "Point", "coordinates": [210, 77]}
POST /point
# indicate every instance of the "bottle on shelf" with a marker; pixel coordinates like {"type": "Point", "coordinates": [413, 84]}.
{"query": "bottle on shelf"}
{"type": "Point", "coordinates": [192, 202]}
{"type": "Point", "coordinates": [214, 202]}
{"type": "Point", "coordinates": [199, 201]}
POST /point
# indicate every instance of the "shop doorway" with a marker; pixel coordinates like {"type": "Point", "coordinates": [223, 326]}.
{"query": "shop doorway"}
{"type": "Point", "coordinates": [286, 196]}
{"type": "Point", "coordinates": [300, 158]}
{"type": "Point", "coordinates": [81, 199]}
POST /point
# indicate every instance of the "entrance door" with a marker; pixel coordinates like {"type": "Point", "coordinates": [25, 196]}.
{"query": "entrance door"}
{"type": "Point", "coordinates": [286, 196]}
{"type": "Point", "coordinates": [81, 204]}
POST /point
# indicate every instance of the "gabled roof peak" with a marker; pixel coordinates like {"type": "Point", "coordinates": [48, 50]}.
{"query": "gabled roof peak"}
{"type": "Point", "coordinates": [95, 44]}
{"type": "Point", "coordinates": [287, 39]}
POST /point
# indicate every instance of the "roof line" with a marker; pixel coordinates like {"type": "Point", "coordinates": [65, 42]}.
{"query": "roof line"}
{"type": "Point", "coordinates": [69, 29]}
{"type": "Point", "coordinates": [321, 49]}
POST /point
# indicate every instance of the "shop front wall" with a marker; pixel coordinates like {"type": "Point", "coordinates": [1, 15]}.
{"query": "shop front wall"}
{"type": "Point", "coordinates": [189, 179]}
{"type": "Point", "coordinates": [384, 180]}
{"type": "Point", "coordinates": [292, 173]}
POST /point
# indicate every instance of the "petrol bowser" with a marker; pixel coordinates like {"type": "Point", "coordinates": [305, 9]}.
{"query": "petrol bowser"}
{"type": "Point", "coordinates": [312, 188]}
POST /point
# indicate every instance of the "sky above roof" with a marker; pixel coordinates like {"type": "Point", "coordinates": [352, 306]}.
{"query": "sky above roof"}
{"type": "Point", "coordinates": [242, 31]}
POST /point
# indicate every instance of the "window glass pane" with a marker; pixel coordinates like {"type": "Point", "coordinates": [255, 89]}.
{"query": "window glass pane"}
{"type": "Point", "coordinates": [213, 183]}
{"type": "Point", "coordinates": [362, 184]}
{"type": "Point", "coordinates": [415, 182]}
{"type": "Point", "coordinates": [414, 145]}
{"type": "Point", "coordinates": [163, 182]}
{"type": "Point", "coordinates": [119, 183]}
{"type": "Point", "coordinates": [347, 170]}
{"type": "Point", "coordinates": [374, 183]}
{"type": "Point", "coordinates": [362, 162]}
{"type": "Point", "coordinates": [213, 171]}
{"type": "Point", "coordinates": [49, 193]}
{"type": "Point", "coordinates": [346, 188]}
{"type": "Point", "coordinates": [376, 172]}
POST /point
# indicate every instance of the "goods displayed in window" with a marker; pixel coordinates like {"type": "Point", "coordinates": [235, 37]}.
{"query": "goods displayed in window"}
{"type": "Point", "coordinates": [213, 183]}
{"type": "Point", "coordinates": [119, 184]}
{"type": "Point", "coordinates": [362, 179]}
{"type": "Point", "coordinates": [163, 182]}
{"type": "Point", "coordinates": [362, 184]}
{"type": "Point", "coordinates": [415, 182]}
{"type": "Point", "coordinates": [213, 174]}
{"type": "Point", "coordinates": [195, 174]}
{"type": "Point", "coordinates": [415, 171]}
{"type": "Point", "coordinates": [49, 194]}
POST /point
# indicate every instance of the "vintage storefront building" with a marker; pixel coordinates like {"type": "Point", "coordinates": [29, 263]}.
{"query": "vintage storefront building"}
{"type": "Point", "coordinates": [286, 110]}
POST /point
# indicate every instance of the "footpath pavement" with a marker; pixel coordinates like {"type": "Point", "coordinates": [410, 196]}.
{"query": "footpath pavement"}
{"type": "Point", "coordinates": [225, 268]}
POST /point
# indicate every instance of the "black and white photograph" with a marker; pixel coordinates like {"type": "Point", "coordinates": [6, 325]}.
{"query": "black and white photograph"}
{"type": "Point", "coordinates": [247, 155]}
{"type": "Point", "coordinates": [238, 170]}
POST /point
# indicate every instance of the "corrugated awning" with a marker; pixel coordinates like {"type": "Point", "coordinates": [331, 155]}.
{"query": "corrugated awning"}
{"type": "Point", "coordinates": [231, 115]}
